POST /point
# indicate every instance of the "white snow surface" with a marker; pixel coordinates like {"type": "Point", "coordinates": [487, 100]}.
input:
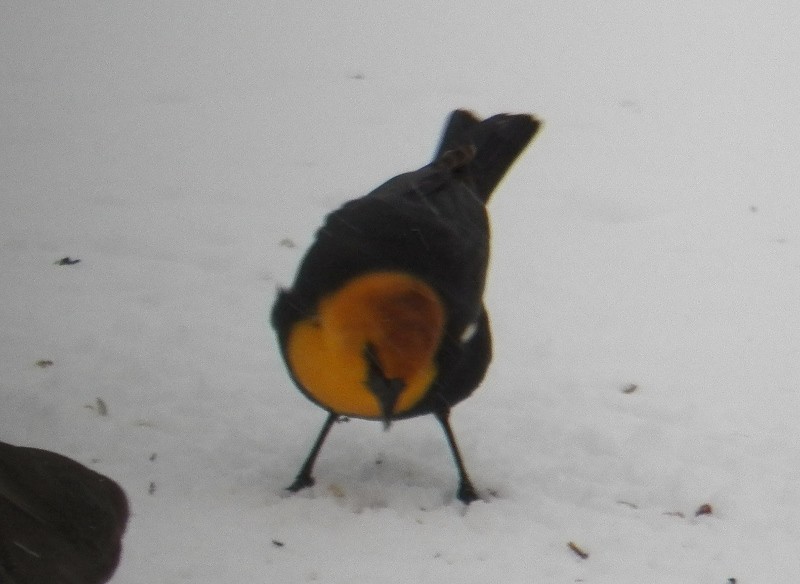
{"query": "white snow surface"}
{"type": "Point", "coordinates": [186, 151]}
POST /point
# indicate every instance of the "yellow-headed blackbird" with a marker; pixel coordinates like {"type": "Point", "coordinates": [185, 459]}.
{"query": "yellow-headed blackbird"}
{"type": "Point", "coordinates": [385, 319]}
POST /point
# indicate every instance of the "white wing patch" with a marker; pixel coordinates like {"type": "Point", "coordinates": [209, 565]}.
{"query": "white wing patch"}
{"type": "Point", "coordinates": [469, 332]}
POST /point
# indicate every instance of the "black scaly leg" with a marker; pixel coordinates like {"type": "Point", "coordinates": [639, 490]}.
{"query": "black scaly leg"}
{"type": "Point", "coordinates": [466, 492]}
{"type": "Point", "coordinates": [304, 478]}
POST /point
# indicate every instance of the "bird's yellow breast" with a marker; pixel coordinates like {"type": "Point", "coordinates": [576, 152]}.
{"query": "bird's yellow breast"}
{"type": "Point", "coordinates": [400, 316]}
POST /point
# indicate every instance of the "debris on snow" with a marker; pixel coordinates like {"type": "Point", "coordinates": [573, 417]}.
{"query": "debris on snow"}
{"type": "Point", "coordinates": [580, 552]}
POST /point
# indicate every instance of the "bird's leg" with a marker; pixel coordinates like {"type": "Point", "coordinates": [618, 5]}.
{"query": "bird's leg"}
{"type": "Point", "coordinates": [304, 478]}
{"type": "Point", "coordinates": [466, 492]}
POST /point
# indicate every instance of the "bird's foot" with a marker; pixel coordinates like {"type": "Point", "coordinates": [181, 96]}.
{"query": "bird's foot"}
{"type": "Point", "coordinates": [301, 482]}
{"type": "Point", "coordinates": [467, 493]}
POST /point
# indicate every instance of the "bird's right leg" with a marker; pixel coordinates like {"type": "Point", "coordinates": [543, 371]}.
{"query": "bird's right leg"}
{"type": "Point", "coordinates": [466, 491]}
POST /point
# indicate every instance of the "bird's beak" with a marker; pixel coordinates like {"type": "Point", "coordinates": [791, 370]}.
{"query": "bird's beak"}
{"type": "Point", "coordinates": [385, 390]}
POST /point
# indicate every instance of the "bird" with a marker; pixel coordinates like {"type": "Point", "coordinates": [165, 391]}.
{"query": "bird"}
{"type": "Point", "coordinates": [385, 319]}
{"type": "Point", "coordinates": [59, 521]}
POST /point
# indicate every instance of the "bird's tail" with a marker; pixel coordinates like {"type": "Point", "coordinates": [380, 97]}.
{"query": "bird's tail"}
{"type": "Point", "coordinates": [486, 149]}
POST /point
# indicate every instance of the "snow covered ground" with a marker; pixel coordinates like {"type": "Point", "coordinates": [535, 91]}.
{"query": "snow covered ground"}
{"type": "Point", "coordinates": [185, 152]}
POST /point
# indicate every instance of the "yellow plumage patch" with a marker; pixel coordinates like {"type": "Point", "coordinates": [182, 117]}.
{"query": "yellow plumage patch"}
{"type": "Point", "coordinates": [399, 315]}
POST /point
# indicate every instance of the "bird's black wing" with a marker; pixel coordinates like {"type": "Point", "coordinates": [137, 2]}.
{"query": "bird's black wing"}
{"type": "Point", "coordinates": [425, 223]}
